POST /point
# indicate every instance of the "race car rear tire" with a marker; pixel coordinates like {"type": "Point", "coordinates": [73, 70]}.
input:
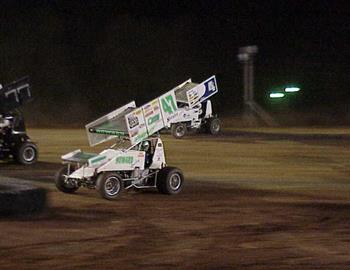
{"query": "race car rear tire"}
{"type": "Point", "coordinates": [60, 180]}
{"type": "Point", "coordinates": [214, 126]}
{"type": "Point", "coordinates": [178, 130]}
{"type": "Point", "coordinates": [26, 153]}
{"type": "Point", "coordinates": [109, 185]}
{"type": "Point", "coordinates": [170, 180]}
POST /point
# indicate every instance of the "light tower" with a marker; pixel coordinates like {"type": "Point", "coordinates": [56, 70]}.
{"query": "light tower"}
{"type": "Point", "coordinates": [246, 56]}
{"type": "Point", "coordinates": [252, 111]}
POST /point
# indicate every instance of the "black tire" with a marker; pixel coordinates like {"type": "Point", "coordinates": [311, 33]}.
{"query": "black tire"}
{"type": "Point", "coordinates": [178, 130]}
{"type": "Point", "coordinates": [60, 180]}
{"type": "Point", "coordinates": [26, 153]}
{"type": "Point", "coordinates": [109, 185]}
{"type": "Point", "coordinates": [170, 180]}
{"type": "Point", "coordinates": [214, 126]}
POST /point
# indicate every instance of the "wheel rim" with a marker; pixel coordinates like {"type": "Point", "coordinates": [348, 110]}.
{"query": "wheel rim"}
{"type": "Point", "coordinates": [112, 186]}
{"type": "Point", "coordinates": [175, 181]}
{"type": "Point", "coordinates": [29, 154]}
{"type": "Point", "coordinates": [215, 126]}
{"type": "Point", "coordinates": [67, 182]}
{"type": "Point", "coordinates": [180, 131]}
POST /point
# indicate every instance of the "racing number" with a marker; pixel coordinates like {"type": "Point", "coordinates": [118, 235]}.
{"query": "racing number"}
{"type": "Point", "coordinates": [168, 104]}
{"type": "Point", "coordinates": [211, 86]}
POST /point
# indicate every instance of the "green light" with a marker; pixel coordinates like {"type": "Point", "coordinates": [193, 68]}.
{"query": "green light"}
{"type": "Point", "coordinates": [291, 89]}
{"type": "Point", "coordinates": [276, 95]}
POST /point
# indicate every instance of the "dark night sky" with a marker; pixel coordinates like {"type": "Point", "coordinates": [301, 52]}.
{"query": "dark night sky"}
{"type": "Point", "coordinates": [86, 58]}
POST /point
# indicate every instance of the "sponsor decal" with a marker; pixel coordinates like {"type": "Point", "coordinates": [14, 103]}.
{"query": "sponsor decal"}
{"type": "Point", "coordinates": [138, 112]}
{"type": "Point", "coordinates": [153, 119]}
{"type": "Point", "coordinates": [171, 117]}
{"type": "Point", "coordinates": [141, 136]}
{"type": "Point", "coordinates": [97, 159]}
{"type": "Point", "coordinates": [124, 160]}
{"type": "Point", "coordinates": [133, 121]}
{"type": "Point", "coordinates": [148, 113]}
{"type": "Point", "coordinates": [106, 132]}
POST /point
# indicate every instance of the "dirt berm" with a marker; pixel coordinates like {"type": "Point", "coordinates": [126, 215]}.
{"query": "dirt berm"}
{"type": "Point", "coordinates": [18, 197]}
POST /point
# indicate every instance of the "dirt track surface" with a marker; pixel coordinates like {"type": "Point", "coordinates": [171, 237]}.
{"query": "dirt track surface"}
{"type": "Point", "coordinates": [211, 225]}
{"type": "Point", "coordinates": [205, 227]}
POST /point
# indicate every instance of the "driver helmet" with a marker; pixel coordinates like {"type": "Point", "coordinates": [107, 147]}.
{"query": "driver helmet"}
{"type": "Point", "coordinates": [145, 146]}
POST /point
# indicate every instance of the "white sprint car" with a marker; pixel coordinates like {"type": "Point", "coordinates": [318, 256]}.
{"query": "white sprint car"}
{"type": "Point", "coordinates": [137, 160]}
{"type": "Point", "coordinates": [195, 112]}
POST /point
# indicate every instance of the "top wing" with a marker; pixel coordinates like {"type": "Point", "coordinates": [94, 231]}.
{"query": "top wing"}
{"type": "Point", "coordinates": [15, 94]}
{"type": "Point", "coordinates": [138, 123]}
{"type": "Point", "coordinates": [194, 93]}
{"type": "Point", "coordinates": [109, 126]}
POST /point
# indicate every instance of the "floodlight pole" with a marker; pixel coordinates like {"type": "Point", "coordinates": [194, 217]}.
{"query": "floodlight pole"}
{"type": "Point", "coordinates": [251, 108]}
{"type": "Point", "coordinates": [251, 79]}
{"type": "Point", "coordinates": [246, 56]}
{"type": "Point", "coordinates": [246, 82]}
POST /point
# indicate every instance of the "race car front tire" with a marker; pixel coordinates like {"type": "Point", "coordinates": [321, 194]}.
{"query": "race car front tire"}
{"type": "Point", "coordinates": [178, 130]}
{"type": "Point", "coordinates": [61, 180]}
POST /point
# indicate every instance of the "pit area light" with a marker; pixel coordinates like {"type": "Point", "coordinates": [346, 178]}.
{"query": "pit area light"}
{"type": "Point", "coordinates": [291, 89]}
{"type": "Point", "coordinates": [276, 95]}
